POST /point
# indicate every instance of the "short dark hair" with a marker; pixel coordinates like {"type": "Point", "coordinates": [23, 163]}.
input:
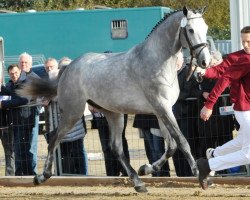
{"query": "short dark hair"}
{"type": "Point", "coordinates": [12, 66]}
{"type": "Point", "coordinates": [246, 29]}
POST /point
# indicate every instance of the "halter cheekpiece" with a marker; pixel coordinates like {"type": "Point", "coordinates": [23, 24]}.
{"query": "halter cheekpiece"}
{"type": "Point", "coordinates": [192, 48]}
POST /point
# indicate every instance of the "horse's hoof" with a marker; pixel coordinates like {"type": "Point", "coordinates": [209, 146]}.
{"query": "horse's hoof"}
{"type": "Point", "coordinates": [141, 189]}
{"type": "Point", "coordinates": [37, 180]}
{"type": "Point", "coordinates": [141, 171]}
{"type": "Point", "coordinates": [145, 169]}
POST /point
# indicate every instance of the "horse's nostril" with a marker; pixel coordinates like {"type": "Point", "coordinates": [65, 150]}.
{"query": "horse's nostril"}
{"type": "Point", "coordinates": [203, 63]}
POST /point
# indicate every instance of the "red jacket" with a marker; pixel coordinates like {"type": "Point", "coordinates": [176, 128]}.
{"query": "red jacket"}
{"type": "Point", "coordinates": [236, 72]}
{"type": "Point", "coordinates": [217, 71]}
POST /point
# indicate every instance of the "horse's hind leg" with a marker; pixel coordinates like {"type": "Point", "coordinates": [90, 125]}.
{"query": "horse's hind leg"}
{"type": "Point", "coordinates": [157, 165]}
{"type": "Point", "coordinates": [65, 125]}
{"type": "Point", "coordinates": [116, 125]}
{"type": "Point", "coordinates": [169, 122]}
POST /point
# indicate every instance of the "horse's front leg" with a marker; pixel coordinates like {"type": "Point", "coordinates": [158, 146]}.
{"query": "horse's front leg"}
{"type": "Point", "coordinates": [168, 121]}
{"type": "Point", "coordinates": [116, 125]}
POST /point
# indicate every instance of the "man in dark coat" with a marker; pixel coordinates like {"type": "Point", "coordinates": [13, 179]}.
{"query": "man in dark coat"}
{"type": "Point", "coordinates": [21, 119]}
{"type": "Point", "coordinates": [6, 136]}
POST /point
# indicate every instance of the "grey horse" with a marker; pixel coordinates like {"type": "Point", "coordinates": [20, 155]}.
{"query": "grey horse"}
{"type": "Point", "coordinates": [141, 80]}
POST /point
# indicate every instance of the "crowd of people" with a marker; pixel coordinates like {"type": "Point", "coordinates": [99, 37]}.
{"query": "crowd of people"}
{"type": "Point", "coordinates": [209, 136]}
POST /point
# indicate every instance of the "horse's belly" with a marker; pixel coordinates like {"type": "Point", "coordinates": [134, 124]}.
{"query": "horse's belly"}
{"type": "Point", "coordinates": [131, 102]}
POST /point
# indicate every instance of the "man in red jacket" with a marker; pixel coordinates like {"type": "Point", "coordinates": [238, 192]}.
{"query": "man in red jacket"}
{"type": "Point", "coordinates": [234, 71]}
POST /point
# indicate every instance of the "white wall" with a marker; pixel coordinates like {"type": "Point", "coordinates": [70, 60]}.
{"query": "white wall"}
{"type": "Point", "coordinates": [239, 17]}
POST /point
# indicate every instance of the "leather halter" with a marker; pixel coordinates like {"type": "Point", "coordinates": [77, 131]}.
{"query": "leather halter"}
{"type": "Point", "coordinates": [192, 49]}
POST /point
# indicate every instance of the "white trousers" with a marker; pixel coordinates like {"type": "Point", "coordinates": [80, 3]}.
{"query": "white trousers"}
{"type": "Point", "coordinates": [236, 152]}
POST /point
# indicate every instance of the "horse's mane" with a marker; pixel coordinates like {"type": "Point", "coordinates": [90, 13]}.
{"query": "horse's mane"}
{"type": "Point", "coordinates": [162, 20]}
{"type": "Point", "coordinates": [165, 17]}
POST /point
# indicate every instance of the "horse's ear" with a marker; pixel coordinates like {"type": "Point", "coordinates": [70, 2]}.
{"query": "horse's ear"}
{"type": "Point", "coordinates": [185, 11]}
{"type": "Point", "coordinates": [202, 10]}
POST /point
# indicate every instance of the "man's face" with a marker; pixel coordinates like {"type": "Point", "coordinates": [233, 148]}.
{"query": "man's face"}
{"type": "Point", "coordinates": [245, 40]}
{"type": "Point", "coordinates": [14, 74]}
{"type": "Point", "coordinates": [25, 63]}
{"type": "Point", "coordinates": [50, 66]}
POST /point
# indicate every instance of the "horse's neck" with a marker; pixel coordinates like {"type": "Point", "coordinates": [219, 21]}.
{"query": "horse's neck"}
{"type": "Point", "coordinates": [164, 41]}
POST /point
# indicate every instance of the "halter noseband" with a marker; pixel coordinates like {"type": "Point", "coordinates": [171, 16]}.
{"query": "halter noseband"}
{"type": "Point", "coordinates": [192, 49]}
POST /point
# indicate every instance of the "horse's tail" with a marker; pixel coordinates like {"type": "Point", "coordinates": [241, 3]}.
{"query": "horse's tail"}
{"type": "Point", "coordinates": [39, 88]}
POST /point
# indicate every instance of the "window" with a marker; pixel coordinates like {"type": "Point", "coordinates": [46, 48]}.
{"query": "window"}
{"type": "Point", "coordinates": [119, 29]}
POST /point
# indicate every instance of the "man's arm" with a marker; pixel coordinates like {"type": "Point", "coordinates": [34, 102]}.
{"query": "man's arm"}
{"type": "Point", "coordinates": [215, 72]}
{"type": "Point", "coordinates": [14, 102]}
{"type": "Point", "coordinates": [234, 72]}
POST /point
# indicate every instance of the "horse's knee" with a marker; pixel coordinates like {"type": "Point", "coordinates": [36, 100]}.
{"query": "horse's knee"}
{"type": "Point", "coordinates": [116, 149]}
{"type": "Point", "coordinates": [171, 149]}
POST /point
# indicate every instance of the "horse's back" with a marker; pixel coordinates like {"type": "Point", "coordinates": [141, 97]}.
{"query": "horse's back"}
{"type": "Point", "coordinates": [106, 79]}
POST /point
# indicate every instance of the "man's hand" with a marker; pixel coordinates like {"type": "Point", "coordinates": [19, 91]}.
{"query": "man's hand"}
{"type": "Point", "coordinates": [205, 113]}
{"type": "Point", "coordinates": [45, 102]}
{"type": "Point", "coordinates": [205, 95]}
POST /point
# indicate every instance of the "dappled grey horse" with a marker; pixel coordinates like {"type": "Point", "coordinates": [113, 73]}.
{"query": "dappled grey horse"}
{"type": "Point", "coordinates": [141, 80]}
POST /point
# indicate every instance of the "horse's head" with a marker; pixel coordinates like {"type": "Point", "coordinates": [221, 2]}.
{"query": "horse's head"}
{"type": "Point", "coordinates": [194, 36]}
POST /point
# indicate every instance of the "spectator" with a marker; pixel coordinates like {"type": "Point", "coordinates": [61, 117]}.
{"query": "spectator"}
{"type": "Point", "coordinates": [185, 112]}
{"type": "Point", "coordinates": [6, 136]}
{"type": "Point", "coordinates": [25, 64]}
{"type": "Point", "coordinates": [154, 143]}
{"type": "Point", "coordinates": [112, 164]}
{"type": "Point", "coordinates": [73, 155]}
{"type": "Point", "coordinates": [22, 122]}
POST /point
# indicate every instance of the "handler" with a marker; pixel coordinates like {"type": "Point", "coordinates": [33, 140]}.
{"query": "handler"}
{"type": "Point", "coordinates": [234, 71]}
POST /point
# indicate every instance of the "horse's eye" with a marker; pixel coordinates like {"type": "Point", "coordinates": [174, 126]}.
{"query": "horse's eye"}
{"type": "Point", "coordinates": [191, 30]}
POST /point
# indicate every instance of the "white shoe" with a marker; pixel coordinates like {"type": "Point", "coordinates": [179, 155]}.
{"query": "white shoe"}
{"type": "Point", "coordinates": [209, 153]}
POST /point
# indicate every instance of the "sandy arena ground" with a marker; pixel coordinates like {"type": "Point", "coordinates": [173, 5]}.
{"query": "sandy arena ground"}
{"type": "Point", "coordinates": [121, 188]}
{"type": "Point", "coordinates": [170, 190]}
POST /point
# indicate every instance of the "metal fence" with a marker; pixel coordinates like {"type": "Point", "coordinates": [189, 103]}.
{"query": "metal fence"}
{"type": "Point", "coordinates": [96, 166]}
{"type": "Point", "coordinates": [224, 46]}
